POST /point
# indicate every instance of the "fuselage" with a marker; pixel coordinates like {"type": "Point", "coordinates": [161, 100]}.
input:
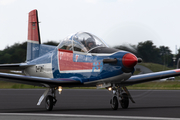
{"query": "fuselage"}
{"type": "Point", "coordinates": [85, 67]}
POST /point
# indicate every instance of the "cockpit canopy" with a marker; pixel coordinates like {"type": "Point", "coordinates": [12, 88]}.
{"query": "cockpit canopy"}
{"type": "Point", "coordinates": [81, 42]}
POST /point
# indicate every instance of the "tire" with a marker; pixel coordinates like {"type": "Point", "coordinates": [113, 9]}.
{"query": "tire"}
{"type": "Point", "coordinates": [49, 103]}
{"type": "Point", "coordinates": [125, 101]}
{"type": "Point", "coordinates": [114, 103]}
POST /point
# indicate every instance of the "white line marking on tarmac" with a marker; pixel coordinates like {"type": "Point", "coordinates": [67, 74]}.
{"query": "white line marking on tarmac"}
{"type": "Point", "coordinates": [89, 116]}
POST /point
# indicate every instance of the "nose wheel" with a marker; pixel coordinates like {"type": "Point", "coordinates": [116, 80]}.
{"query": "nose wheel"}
{"type": "Point", "coordinates": [124, 101]}
{"type": "Point", "coordinates": [114, 103]}
{"type": "Point", "coordinates": [120, 97]}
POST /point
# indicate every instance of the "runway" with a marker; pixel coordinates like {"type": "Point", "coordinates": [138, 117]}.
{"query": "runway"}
{"type": "Point", "coordinates": [149, 103]}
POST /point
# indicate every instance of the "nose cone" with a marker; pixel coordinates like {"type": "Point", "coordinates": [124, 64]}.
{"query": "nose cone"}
{"type": "Point", "coordinates": [129, 60]}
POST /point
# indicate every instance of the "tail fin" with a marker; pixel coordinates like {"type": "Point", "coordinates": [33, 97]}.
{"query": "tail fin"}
{"type": "Point", "coordinates": [34, 41]}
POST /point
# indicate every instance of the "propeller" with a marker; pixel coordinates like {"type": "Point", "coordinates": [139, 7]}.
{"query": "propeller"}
{"type": "Point", "coordinates": [129, 60]}
{"type": "Point", "coordinates": [127, 47]}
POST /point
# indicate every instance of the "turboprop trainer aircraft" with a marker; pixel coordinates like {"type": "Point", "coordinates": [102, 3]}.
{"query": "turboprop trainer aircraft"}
{"type": "Point", "coordinates": [80, 60]}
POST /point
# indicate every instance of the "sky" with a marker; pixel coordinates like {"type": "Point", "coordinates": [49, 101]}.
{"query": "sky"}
{"type": "Point", "coordinates": [117, 22]}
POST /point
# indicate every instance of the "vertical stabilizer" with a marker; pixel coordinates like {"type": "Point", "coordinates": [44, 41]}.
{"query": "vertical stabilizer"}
{"type": "Point", "coordinates": [33, 43]}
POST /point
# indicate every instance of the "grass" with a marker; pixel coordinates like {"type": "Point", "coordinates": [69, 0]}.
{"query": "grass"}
{"type": "Point", "coordinates": [9, 85]}
{"type": "Point", "coordinates": [157, 85]}
{"type": "Point", "coordinates": [155, 67]}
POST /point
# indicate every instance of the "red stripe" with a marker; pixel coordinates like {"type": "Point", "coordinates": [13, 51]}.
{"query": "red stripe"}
{"type": "Point", "coordinates": [63, 50]}
{"type": "Point", "coordinates": [177, 70]}
{"type": "Point", "coordinates": [65, 58]}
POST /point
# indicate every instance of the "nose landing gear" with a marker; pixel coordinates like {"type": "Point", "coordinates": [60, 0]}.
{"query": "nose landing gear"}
{"type": "Point", "coordinates": [120, 97]}
{"type": "Point", "coordinates": [124, 101]}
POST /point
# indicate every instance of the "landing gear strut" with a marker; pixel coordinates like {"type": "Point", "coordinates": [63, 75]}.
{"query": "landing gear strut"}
{"type": "Point", "coordinates": [119, 96]}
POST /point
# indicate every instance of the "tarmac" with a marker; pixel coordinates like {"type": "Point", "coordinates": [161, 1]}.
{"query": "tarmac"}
{"type": "Point", "coordinates": [87, 104]}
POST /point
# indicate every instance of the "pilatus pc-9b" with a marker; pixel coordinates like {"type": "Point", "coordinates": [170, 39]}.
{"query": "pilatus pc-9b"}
{"type": "Point", "coordinates": [80, 60]}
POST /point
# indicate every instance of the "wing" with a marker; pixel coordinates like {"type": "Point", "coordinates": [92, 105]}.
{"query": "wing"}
{"type": "Point", "coordinates": [136, 79]}
{"type": "Point", "coordinates": [40, 81]}
{"type": "Point", "coordinates": [32, 80]}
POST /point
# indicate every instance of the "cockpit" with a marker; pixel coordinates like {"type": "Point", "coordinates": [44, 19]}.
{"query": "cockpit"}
{"type": "Point", "coordinates": [81, 42]}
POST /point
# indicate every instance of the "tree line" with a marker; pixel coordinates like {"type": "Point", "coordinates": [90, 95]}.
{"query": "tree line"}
{"type": "Point", "coordinates": [17, 52]}
{"type": "Point", "coordinates": [145, 50]}
{"type": "Point", "coordinates": [151, 53]}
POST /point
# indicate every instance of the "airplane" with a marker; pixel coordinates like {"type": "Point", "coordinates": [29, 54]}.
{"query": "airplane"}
{"type": "Point", "coordinates": [80, 60]}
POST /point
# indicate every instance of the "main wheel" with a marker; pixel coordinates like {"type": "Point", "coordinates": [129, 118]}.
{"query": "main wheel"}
{"type": "Point", "coordinates": [49, 103]}
{"type": "Point", "coordinates": [114, 103]}
{"type": "Point", "coordinates": [125, 101]}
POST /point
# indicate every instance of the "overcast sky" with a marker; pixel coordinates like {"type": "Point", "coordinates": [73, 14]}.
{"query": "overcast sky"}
{"type": "Point", "coordinates": [115, 21]}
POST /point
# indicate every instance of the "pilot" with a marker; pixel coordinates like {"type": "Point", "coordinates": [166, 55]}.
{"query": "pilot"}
{"type": "Point", "coordinates": [90, 43]}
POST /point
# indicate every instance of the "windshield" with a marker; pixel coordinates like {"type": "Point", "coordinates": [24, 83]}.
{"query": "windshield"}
{"type": "Point", "coordinates": [82, 42]}
{"type": "Point", "coordinates": [87, 40]}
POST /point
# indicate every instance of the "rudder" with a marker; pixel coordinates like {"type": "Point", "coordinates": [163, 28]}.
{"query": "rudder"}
{"type": "Point", "coordinates": [34, 41]}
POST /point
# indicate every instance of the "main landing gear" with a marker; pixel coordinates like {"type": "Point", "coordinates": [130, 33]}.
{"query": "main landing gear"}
{"type": "Point", "coordinates": [119, 96]}
{"type": "Point", "coordinates": [50, 100]}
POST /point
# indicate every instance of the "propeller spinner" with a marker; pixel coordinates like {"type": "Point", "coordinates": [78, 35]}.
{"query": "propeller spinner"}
{"type": "Point", "coordinates": [129, 60]}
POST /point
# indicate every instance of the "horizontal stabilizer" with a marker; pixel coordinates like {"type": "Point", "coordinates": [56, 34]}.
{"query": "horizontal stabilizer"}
{"type": "Point", "coordinates": [18, 66]}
